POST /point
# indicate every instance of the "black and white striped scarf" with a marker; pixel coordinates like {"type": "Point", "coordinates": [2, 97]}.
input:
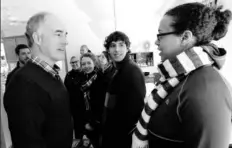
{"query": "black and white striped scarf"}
{"type": "Point", "coordinates": [172, 71]}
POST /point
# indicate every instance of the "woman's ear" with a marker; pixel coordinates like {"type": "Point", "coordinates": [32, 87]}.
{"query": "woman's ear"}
{"type": "Point", "coordinates": [187, 37]}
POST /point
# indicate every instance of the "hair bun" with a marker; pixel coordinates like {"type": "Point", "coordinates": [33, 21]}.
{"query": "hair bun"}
{"type": "Point", "coordinates": [223, 16]}
{"type": "Point", "coordinates": [223, 19]}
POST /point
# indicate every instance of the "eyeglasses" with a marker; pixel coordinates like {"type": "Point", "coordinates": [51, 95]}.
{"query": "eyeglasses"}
{"type": "Point", "coordinates": [163, 34]}
{"type": "Point", "coordinates": [74, 62]}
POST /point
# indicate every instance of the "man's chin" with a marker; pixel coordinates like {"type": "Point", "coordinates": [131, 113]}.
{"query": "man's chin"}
{"type": "Point", "coordinates": [59, 57]}
{"type": "Point", "coordinates": [118, 59]}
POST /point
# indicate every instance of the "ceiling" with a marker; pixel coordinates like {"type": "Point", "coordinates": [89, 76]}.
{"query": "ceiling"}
{"type": "Point", "coordinates": [97, 13]}
{"type": "Point", "coordinates": [90, 21]}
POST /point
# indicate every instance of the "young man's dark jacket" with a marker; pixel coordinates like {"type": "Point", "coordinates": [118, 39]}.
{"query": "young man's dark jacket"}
{"type": "Point", "coordinates": [37, 105]}
{"type": "Point", "coordinates": [125, 102]}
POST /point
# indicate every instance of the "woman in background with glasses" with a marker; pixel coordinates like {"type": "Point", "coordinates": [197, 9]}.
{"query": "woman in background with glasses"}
{"type": "Point", "coordinates": [191, 106]}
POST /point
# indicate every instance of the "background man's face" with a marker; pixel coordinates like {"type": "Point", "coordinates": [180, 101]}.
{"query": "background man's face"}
{"type": "Point", "coordinates": [53, 39]}
{"type": "Point", "coordinates": [74, 63]}
{"type": "Point", "coordinates": [24, 55]}
{"type": "Point", "coordinates": [83, 50]}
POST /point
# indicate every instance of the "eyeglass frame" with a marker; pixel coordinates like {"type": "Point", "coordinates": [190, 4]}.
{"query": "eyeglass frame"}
{"type": "Point", "coordinates": [166, 33]}
{"type": "Point", "coordinates": [74, 62]}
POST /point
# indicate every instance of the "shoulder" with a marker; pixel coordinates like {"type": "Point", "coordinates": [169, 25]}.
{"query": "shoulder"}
{"type": "Point", "coordinates": [132, 68]}
{"type": "Point", "coordinates": [133, 75]}
{"type": "Point", "coordinates": [206, 79]}
{"type": "Point", "coordinates": [30, 69]}
{"type": "Point", "coordinates": [35, 74]}
{"type": "Point", "coordinates": [28, 73]}
{"type": "Point", "coordinates": [22, 83]}
{"type": "Point", "coordinates": [204, 87]}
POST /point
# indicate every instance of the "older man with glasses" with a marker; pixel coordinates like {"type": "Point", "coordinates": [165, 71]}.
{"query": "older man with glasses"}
{"type": "Point", "coordinates": [72, 75]}
{"type": "Point", "coordinates": [71, 82]}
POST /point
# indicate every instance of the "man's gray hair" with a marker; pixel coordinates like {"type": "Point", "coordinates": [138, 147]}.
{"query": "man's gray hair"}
{"type": "Point", "coordinates": [33, 25]}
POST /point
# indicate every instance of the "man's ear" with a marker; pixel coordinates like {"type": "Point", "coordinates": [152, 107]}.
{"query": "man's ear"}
{"type": "Point", "coordinates": [37, 38]}
{"type": "Point", "coordinates": [186, 37]}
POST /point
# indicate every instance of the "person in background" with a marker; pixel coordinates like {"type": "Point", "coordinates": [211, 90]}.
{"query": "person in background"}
{"type": "Point", "coordinates": [23, 53]}
{"type": "Point", "coordinates": [71, 82]}
{"type": "Point", "coordinates": [84, 49]}
{"type": "Point", "coordinates": [72, 76]}
{"type": "Point", "coordinates": [107, 67]}
{"type": "Point", "coordinates": [36, 100]}
{"type": "Point", "coordinates": [191, 106]}
{"type": "Point", "coordinates": [125, 96]}
{"type": "Point", "coordinates": [104, 60]}
{"type": "Point", "coordinates": [87, 111]}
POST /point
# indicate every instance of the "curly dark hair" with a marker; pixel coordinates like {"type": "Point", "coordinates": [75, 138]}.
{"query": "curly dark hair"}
{"type": "Point", "coordinates": [206, 23]}
{"type": "Point", "coordinates": [117, 36]}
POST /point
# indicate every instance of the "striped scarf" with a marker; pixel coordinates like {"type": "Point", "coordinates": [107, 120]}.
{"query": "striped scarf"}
{"type": "Point", "coordinates": [172, 71]}
{"type": "Point", "coordinates": [85, 89]}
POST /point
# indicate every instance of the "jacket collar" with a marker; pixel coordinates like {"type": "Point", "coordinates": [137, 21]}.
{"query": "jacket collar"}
{"type": "Point", "coordinates": [120, 64]}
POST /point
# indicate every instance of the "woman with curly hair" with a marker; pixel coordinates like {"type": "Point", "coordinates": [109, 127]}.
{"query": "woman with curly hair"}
{"type": "Point", "coordinates": [191, 106]}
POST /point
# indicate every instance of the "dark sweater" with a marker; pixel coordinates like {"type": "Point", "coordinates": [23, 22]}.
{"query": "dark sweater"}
{"type": "Point", "coordinates": [37, 105]}
{"type": "Point", "coordinates": [126, 101]}
{"type": "Point", "coordinates": [194, 117]}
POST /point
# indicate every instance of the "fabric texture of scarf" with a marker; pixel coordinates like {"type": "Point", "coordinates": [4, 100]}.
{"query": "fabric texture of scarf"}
{"type": "Point", "coordinates": [172, 71]}
{"type": "Point", "coordinates": [85, 89]}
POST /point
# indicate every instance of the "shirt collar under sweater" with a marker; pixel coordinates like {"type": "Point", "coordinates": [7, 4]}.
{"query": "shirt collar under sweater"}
{"type": "Point", "coordinates": [44, 65]}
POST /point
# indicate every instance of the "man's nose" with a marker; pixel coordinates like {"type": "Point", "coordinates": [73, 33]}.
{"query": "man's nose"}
{"type": "Point", "coordinates": [117, 48]}
{"type": "Point", "coordinates": [65, 41]}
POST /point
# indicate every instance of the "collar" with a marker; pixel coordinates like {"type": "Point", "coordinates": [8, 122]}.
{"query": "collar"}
{"type": "Point", "coordinates": [121, 63]}
{"type": "Point", "coordinates": [44, 65]}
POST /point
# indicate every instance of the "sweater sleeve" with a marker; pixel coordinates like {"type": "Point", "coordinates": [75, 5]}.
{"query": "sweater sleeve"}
{"type": "Point", "coordinates": [25, 113]}
{"type": "Point", "coordinates": [205, 115]}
